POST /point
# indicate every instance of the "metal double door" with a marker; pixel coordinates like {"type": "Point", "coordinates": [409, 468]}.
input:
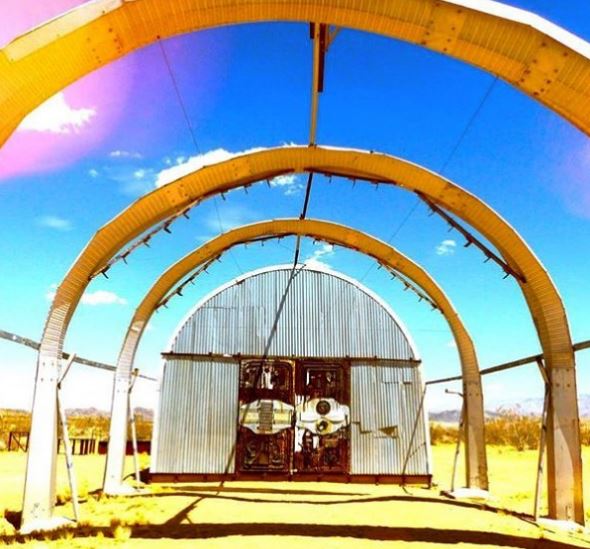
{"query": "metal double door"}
{"type": "Point", "coordinates": [293, 418]}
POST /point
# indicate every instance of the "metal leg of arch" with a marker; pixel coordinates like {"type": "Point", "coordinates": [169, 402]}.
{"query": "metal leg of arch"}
{"type": "Point", "coordinates": [476, 465]}
{"type": "Point", "coordinates": [564, 459]}
{"type": "Point", "coordinates": [39, 495]}
{"type": "Point", "coordinates": [113, 478]}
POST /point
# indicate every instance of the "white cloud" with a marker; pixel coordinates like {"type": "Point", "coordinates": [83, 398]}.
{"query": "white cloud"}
{"type": "Point", "coordinates": [55, 222]}
{"type": "Point", "coordinates": [290, 182]}
{"type": "Point", "coordinates": [139, 174]}
{"type": "Point", "coordinates": [185, 166]}
{"type": "Point", "coordinates": [57, 116]}
{"type": "Point", "coordinates": [102, 297]}
{"type": "Point", "coordinates": [446, 247]}
{"type": "Point", "coordinates": [316, 259]}
{"type": "Point", "coordinates": [125, 154]}
{"type": "Point", "coordinates": [93, 173]}
{"type": "Point", "coordinates": [98, 297]}
{"type": "Point", "coordinates": [452, 344]}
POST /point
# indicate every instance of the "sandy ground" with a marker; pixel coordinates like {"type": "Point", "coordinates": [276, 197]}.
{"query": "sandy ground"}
{"type": "Point", "coordinates": [288, 515]}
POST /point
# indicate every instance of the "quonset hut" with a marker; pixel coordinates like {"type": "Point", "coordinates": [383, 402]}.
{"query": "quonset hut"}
{"type": "Point", "coordinates": [313, 378]}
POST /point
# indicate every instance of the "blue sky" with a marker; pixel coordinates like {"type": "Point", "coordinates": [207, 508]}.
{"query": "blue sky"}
{"type": "Point", "coordinates": [107, 139]}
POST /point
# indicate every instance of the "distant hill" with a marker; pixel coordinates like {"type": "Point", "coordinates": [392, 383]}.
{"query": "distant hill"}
{"type": "Point", "coordinates": [146, 413]}
{"type": "Point", "coordinates": [528, 406]}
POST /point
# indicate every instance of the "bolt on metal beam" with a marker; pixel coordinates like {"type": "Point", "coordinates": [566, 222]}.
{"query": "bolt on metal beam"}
{"type": "Point", "coordinates": [142, 241]}
{"type": "Point", "coordinates": [471, 239]}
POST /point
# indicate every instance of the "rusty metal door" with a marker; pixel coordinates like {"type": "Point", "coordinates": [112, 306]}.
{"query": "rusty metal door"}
{"type": "Point", "coordinates": [323, 417]}
{"type": "Point", "coordinates": [293, 418]}
{"type": "Point", "coordinates": [265, 420]}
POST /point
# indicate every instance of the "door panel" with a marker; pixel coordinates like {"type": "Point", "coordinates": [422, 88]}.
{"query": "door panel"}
{"type": "Point", "coordinates": [293, 417]}
{"type": "Point", "coordinates": [323, 416]}
{"type": "Point", "coordinates": [265, 435]}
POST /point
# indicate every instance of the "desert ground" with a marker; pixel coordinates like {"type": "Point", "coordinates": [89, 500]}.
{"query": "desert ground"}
{"type": "Point", "coordinates": [249, 515]}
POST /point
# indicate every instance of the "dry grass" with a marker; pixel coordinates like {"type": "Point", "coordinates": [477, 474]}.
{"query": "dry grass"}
{"type": "Point", "coordinates": [509, 427]}
{"type": "Point", "coordinates": [80, 424]}
{"type": "Point", "coordinates": [288, 515]}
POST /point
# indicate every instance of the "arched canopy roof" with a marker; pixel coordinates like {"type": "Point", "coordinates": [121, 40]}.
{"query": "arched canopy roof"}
{"type": "Point", "coordinates": [296, 301]}
{"type": "Point", "coordinates": [542, 297]}
{"type": "Point", "coordinates": [543, 300]}
{"type": "Point", "coordinates": [534, 55]}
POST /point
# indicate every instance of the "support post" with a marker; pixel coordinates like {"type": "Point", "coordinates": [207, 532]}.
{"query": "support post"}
{"type": "Point", "coordinates": [476, 466]}
{"type": "Point", "coordinates": [115, 464]}
{"type": "Point", "coordinates": [542, 442]}
{"type": "Point", "coordinates": [39, 493]}
{"type": "Point", "coordinates": [68, 451]}
{"type": "Point", "coordinates": [564, 459]}
{"type": "Point", "coordinates": [458, 446]}
{"type": "Point", "coordinates": [132, 422]}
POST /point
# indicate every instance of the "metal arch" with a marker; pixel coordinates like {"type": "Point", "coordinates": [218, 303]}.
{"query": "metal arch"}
{"type": "Point", "coordinates": [541, 59]}
{"type": "Point", "coordinates": [476, 465]}
{"type": "Point", "coordinates": [544, 302]}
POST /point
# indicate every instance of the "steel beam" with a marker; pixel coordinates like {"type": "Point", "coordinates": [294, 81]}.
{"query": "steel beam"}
{"type": "Point", "coordinates": [535, 56]}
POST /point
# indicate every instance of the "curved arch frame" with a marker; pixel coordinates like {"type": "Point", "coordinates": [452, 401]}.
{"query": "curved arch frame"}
{"type": "Point", "coordinates": [475, 458]}
{"type": "Point", "coordinates": [539, 58]}
{"type": "Point", "coordinates": [564, 469]}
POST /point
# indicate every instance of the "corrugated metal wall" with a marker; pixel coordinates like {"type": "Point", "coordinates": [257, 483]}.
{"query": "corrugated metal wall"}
{"type": "Point", "coordinates": [384, 397]}
{"type": "Point", "coordinates": [323, 316]}
{"type": "Point", "coordinates": [197, 419]}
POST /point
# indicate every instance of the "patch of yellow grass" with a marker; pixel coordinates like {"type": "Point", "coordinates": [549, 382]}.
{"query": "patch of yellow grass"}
{"type": "Point", "coordinates": [288, 515]}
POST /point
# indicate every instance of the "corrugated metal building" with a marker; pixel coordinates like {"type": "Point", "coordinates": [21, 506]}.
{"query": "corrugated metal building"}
{"type": "Point", "coordinates": [310, 376]}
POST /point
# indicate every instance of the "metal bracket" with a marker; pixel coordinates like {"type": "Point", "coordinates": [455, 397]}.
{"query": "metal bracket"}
{"type": "Point", "coordinates": [471, 239]}
{"type": "Point", "coordinates": [410, 286]}
{"type": "Point", "coordinates": [189, 280]}
{"type": "Point", "coordinates": [143, 241]}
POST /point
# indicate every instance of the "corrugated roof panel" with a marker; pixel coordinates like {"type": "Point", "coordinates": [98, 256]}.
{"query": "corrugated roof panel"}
{"type": "Point", "coordinates": [316, 315]}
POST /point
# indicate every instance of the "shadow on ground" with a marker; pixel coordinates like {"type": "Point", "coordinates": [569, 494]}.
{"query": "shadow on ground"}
{"type": "Point", "coordinates": [364, 532]}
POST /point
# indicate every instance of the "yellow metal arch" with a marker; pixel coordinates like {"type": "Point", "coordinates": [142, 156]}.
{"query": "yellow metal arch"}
{"type": "Point", "coordinates": [476, 466]}
{"type": "Point", "coordinates": [534, 55]}
{"type": "Point", "coordinates": [564, 455]}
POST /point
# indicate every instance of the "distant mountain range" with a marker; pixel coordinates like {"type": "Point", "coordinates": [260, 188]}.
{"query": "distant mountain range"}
{"type": "Point", "coordinates": [146, 413]}
{"type": "Point", "coordinates": [532, 406]}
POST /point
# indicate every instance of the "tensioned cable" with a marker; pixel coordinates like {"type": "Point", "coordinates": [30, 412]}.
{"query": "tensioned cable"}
{"type": "Point", "coordinates": [193, 136]}
{"type": "Point", "coordinates": [320, 45]}
{"type": "Point", "coordinates": [445, 164]}
{"type": "Point", "coordinates": [302, 216]}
